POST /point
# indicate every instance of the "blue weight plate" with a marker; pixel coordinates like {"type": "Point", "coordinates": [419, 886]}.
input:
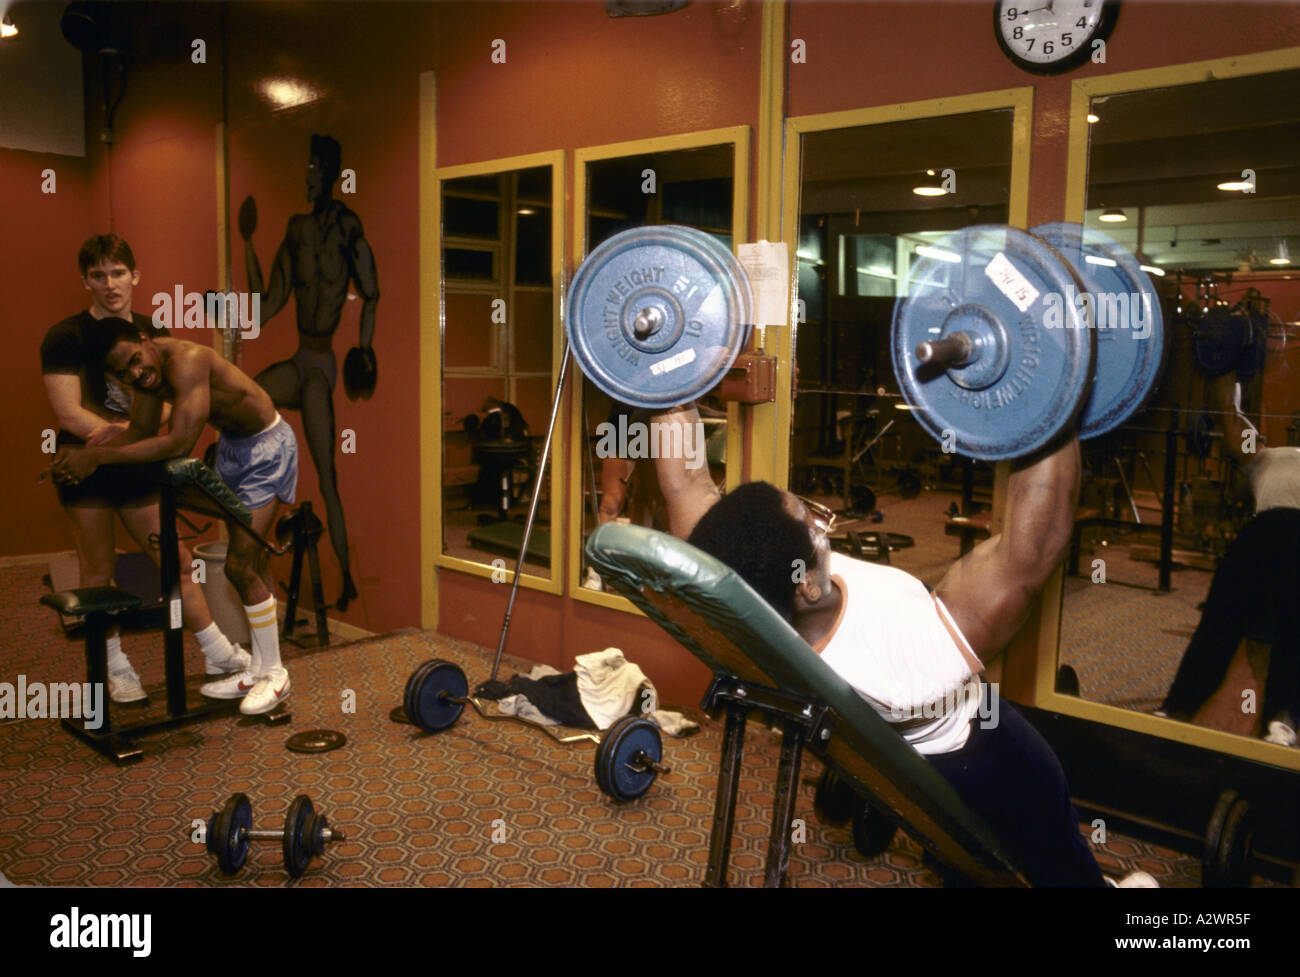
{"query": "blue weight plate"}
{"type": "Point", "coordinates": [230, 849]}
{"type": "Point", "coordinates": [1125, 311]}
{"type": "Point", "coordinates": [687, 293]}
{"type": "Point", "coordinates": [413, 683]}
{"type": "Point", "coordinates": [431, 711]}
{"type": "Point", "coordinates": [614, 771]}
{"type": "Point", "coordinates": [1029, 374]}
{"type": "Point", "coordinates": [295, 844]}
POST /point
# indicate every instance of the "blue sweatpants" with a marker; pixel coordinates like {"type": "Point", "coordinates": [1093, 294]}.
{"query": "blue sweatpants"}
{"type": "Point", "coordinates": [1010, 777]}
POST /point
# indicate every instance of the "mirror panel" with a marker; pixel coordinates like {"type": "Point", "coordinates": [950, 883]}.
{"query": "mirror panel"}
{"type": "Point", "coordinates": [1202, 183]}
{"type": "Point", "coordinates": [500, 321]}
{"type": "Point", "coordinates": [861, 221]}
{"type": "Point", "coordinates": [690, 186]}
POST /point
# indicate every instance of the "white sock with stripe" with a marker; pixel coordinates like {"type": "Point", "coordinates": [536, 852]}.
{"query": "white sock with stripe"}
{"type": "Point", "coordinates": [265, 630]}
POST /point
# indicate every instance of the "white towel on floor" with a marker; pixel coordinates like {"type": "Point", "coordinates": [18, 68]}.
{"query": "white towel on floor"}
{"type": "Point", "coordinates": [610, 687]}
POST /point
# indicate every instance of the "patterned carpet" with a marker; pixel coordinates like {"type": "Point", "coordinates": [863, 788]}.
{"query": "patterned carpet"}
{"type": "Point", "coordinates": [481, 804]}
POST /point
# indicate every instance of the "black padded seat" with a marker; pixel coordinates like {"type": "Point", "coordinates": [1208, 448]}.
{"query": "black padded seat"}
{"type": "Point", "coordinates": [91, 600]}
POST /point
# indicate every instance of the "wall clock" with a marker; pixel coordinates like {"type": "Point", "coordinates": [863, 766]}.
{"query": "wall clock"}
{"type": "Point", "coordinates": [1048, 37]}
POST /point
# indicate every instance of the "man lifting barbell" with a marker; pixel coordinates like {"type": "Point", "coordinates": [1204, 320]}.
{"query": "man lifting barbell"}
{"type": "Point", "coordinates": [916, 657]}
{"type": "Point", "coordinates": [999, 360]}
{"type": "Point", "coordinates": [257, 457]}
{"type": "Point", "coordinates": [1258, 576]}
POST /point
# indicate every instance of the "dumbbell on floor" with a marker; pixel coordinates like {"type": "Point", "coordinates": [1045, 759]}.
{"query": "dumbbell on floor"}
{"type": "Point", "coordinates": [304, 835]}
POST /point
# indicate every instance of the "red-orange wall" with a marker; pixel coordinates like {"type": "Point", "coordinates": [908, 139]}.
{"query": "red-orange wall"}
{"type": "Point", "coordinates": [573, 77]}
{"type": "Point", "coordinates": [42, 233]}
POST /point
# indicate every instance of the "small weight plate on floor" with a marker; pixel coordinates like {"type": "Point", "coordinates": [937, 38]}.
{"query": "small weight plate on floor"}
{"type": "Point", "coordinates": [315, 741]}
{"type": "Point", "coordinates": [615, 773]}
{"type": "Point", "coordinates": [657, 315]}
{"type": "Point", "coordinates": [398, 714]}
{"type": "Point", "coordinates": [428, 695]}
{"type": "Point", "coordinates": [1131, 347]}
{"type": "Point", "coordinates": [296, 843]}
{"type": "Point", "coordinates": [1025, 379]}
{"type": "Point", "coordinates": [232, 850]}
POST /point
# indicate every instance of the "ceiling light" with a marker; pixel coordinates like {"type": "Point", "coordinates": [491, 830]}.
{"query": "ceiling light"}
{"type": "Point", "coordinates": [1113, 216]}
{"type": "Point", "coordinates": [1153, 270]}
{"type": "Point", "coordinates": [1242, 185]}
{"type": "Point", "coordinates": [925, 251]}
{"type": "Point", "coordinates": [930, 187]}
{"type": "Point", "coordinates": [7, 28]}
{"type": "Point", "coordinates": [1093, 118]}
{"type": "Point", "coordinates": [525, 211]}
{"type": "Point", "coordinates": [285, 93]}
{"type": "Point", "coordinates": [1283, 256]}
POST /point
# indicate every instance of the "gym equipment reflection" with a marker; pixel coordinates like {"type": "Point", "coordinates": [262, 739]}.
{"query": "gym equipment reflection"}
{"type": "Point", "coordinates": [694, 188]}
{"type": "Point", "coordinates": [861, 227]}
{"type": "Point", "coordinates": [1163, 498]}
{"type": "Point", "coordinates": [499, 320]}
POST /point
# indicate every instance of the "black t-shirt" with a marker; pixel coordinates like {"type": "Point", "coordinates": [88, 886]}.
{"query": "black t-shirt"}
{"type": "Point", "coordinates": [64, 351]}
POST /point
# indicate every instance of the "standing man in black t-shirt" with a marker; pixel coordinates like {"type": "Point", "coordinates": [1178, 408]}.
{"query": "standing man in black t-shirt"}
{"type": "Point", "coordinates": [92, 408]}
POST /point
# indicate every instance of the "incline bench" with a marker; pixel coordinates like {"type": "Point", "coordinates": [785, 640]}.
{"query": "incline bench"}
{"type": "Point", "coordinates": [760, 662]}
{"type": "Point", "coordinates": [185, 483]}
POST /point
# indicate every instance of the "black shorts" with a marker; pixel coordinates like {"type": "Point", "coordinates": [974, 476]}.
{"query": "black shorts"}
{"type": "Point", "coordinates": [119, 486]}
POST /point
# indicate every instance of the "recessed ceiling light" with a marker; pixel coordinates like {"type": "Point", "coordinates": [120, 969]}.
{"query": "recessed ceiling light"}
{"type": "Point", "coordinates": [1113, 216]}
{"type": "Point", "coordinates": [7, 28]}
{"type": "Point", "coordinates": [1283, 256]}
{"type": "Point", "coordinates": [1093, 118]}
{"type": "Point", "coordinates": [1241, 185]}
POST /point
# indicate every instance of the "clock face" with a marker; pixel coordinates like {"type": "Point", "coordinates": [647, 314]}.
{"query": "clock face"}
{"type": "Point", "coordinates": [1049, 36]}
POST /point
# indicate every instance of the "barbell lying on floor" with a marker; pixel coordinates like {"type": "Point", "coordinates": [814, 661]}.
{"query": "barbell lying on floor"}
{"type": "Point", "coordinates": [304, 835]}
{"type": "Point", "coordinates": [627, 755]}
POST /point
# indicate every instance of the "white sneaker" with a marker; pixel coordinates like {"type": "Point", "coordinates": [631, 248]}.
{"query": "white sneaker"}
{"type": "Point", "coordinates": [124, 686]}
{"type": "Point", "coordinates": [231, 687]}
{"type": "Point", "coordinates": [238, 661]}
{"type": "Point", "coordinates": [270, 690]}
{"type": "Point", "coordinates": [1280, 733]}
{"type": "Point", "coordinates": [1134, 880]}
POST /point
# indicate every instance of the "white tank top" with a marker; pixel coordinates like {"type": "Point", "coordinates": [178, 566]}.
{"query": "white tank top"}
{"type": "Point", "coordinates": [1275, 478]}
{"type": "Point", "coordinates": [897, 646]}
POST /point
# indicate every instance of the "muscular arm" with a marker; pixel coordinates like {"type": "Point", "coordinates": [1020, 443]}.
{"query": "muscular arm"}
{"type": "Point", "coordinates": [63, 390]}
{"type": "Point", "coordinates": [190, 375]}
{"type": "Point", "coordinates": [688, 492]}
{"type": "Point", "coordinates": [364, 274]}
{"type": "Point", "coordinates": [990, 591]}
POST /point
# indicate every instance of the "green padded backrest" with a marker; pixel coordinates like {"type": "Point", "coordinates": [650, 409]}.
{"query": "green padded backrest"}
{"type": "Point", "coordinates": [719, 618]}
{"type": "Point", "coordinates": [200, 490]}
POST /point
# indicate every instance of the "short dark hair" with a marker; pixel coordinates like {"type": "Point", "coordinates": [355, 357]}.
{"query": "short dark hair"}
{"type": "Point", "coordinates": [104, 247]}
{"type": "Point", "coordinates": [111, 332]}
{"type": "Point", "coordinates": [750, 530]}
{"type": "Point", "coordinates": [330, 153]}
